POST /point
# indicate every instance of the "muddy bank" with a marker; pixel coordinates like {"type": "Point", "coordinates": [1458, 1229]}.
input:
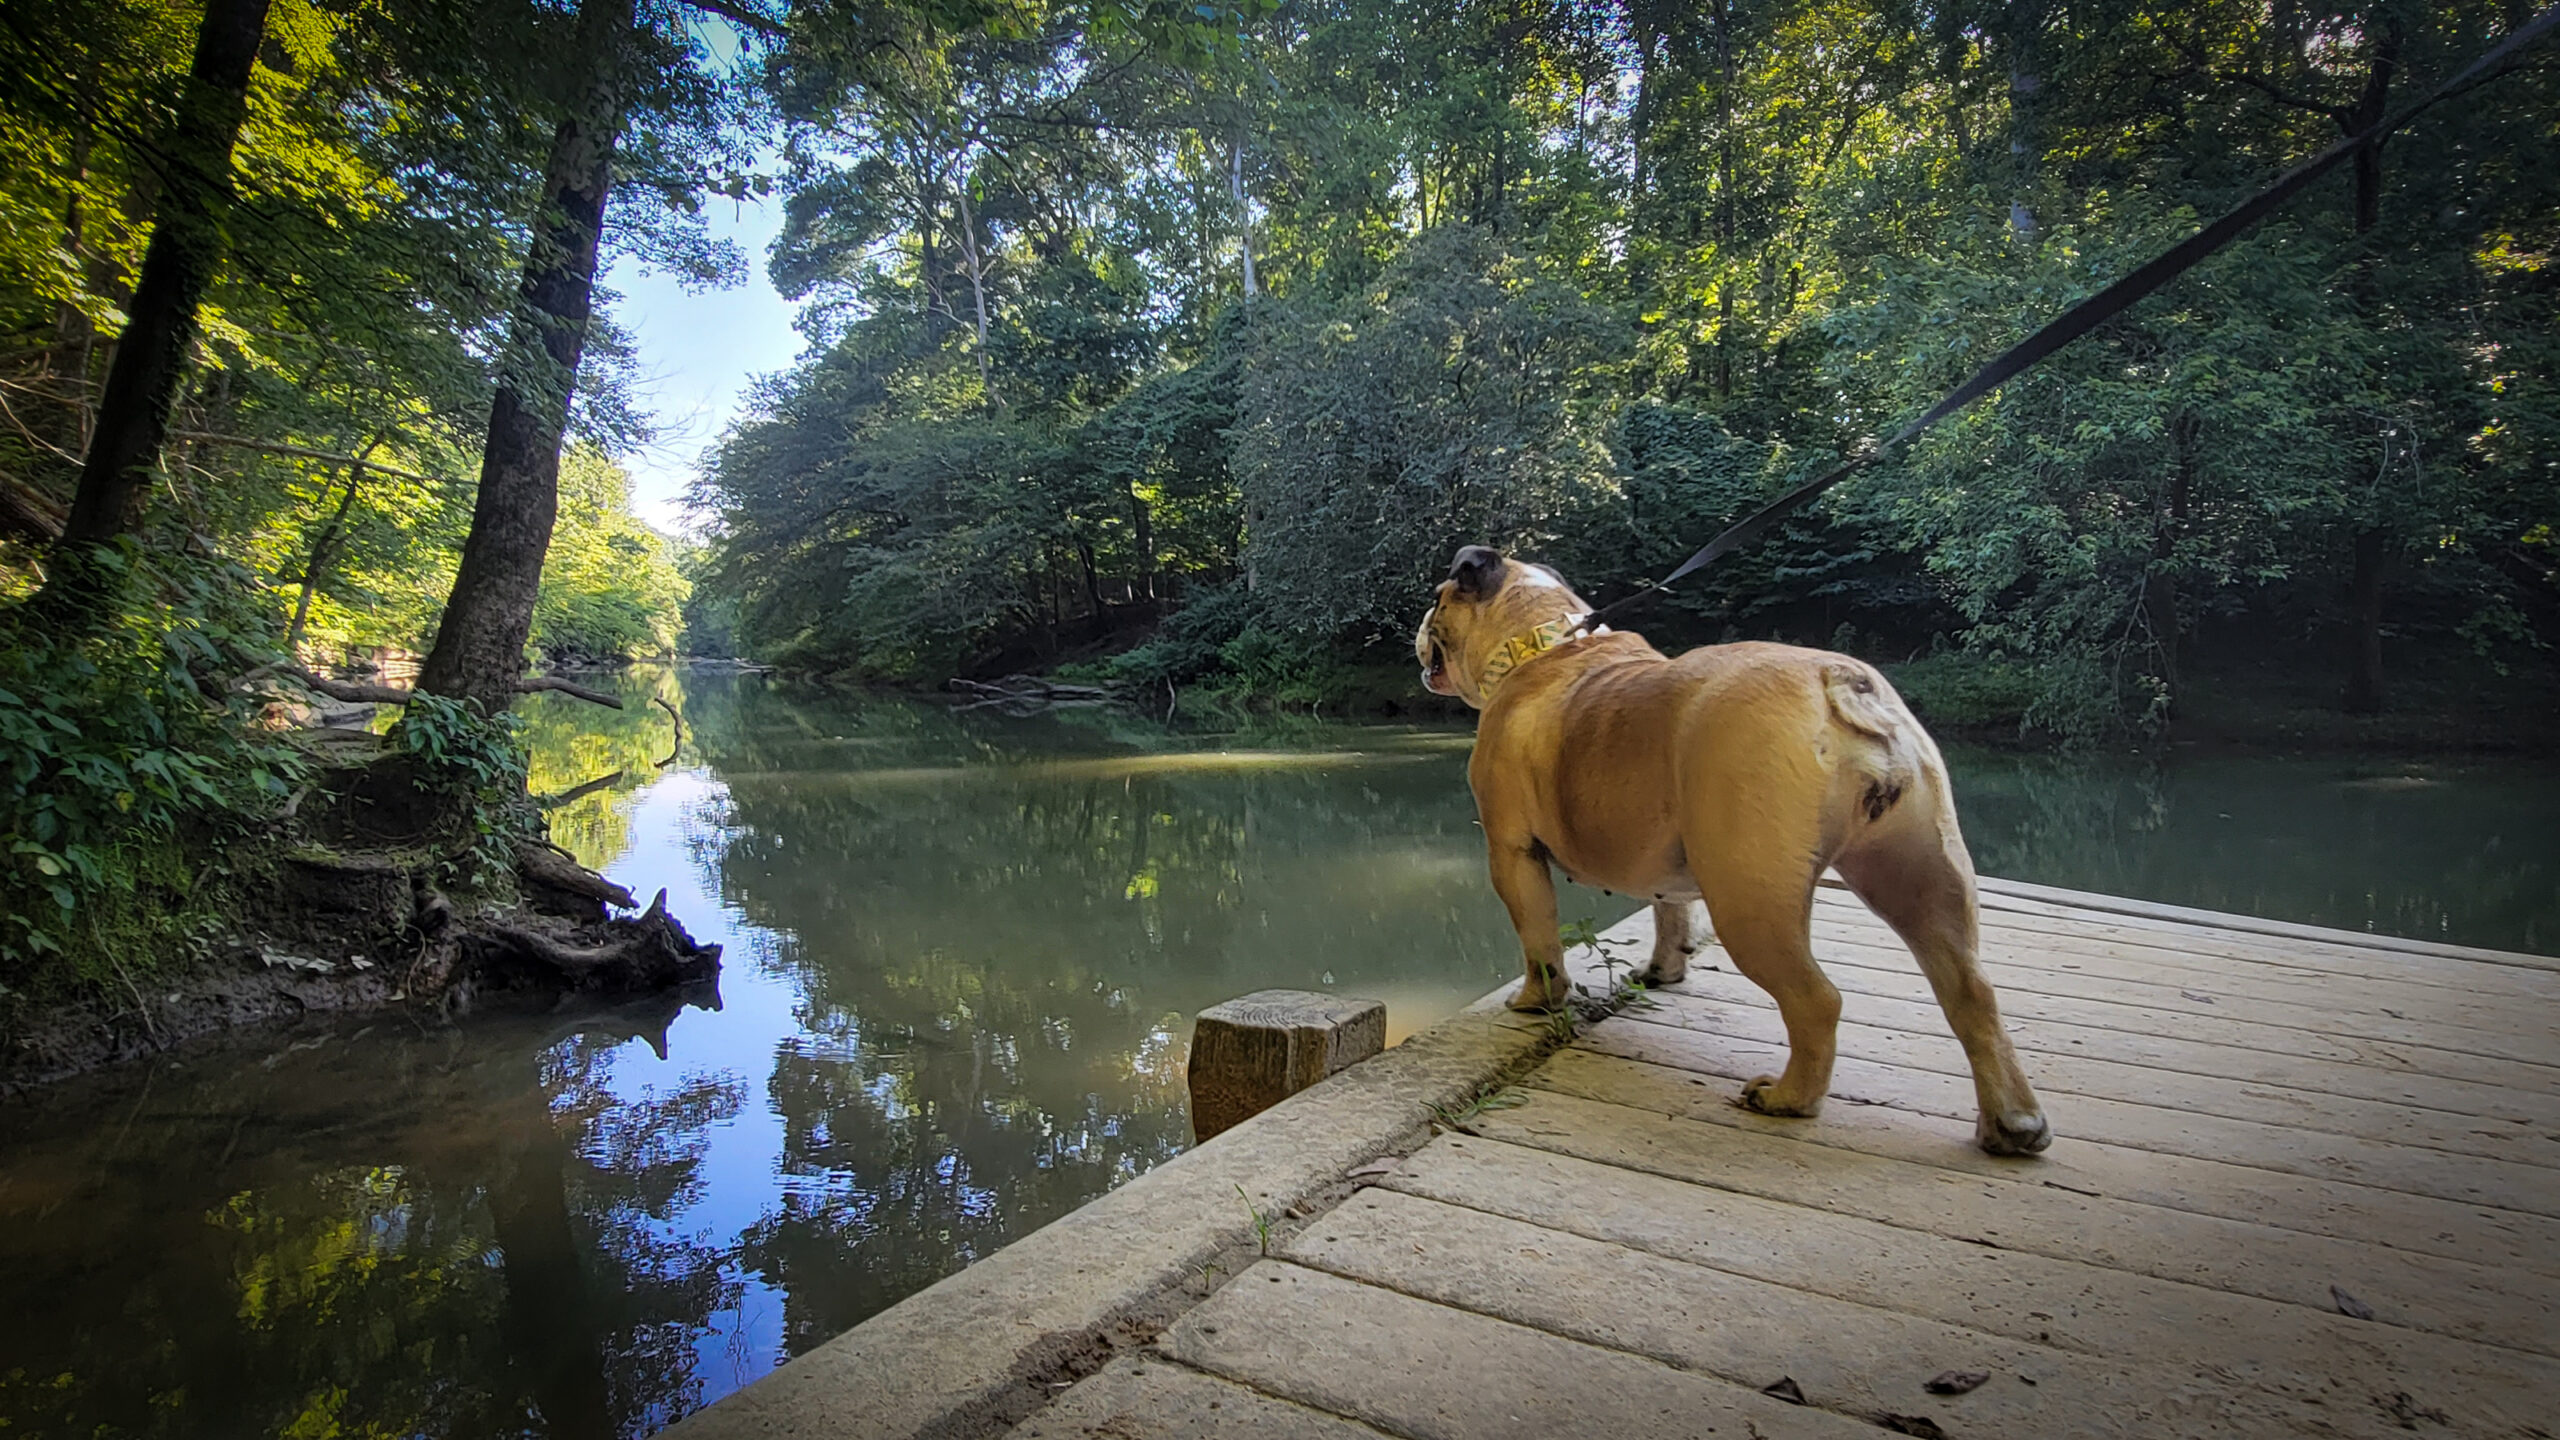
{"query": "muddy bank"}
{"type": "Point", "coordinates": [377, 889]}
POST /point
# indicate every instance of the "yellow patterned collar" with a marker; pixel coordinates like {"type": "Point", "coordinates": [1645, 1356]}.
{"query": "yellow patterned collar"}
{"type": "Point", "coordinates": [1520, 649]}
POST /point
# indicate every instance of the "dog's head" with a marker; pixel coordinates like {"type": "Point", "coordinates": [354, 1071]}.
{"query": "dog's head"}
{"type": "Point", "coordinates": [1488, 600]}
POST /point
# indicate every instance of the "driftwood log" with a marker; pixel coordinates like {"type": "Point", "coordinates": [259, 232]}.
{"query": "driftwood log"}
{"type": "Point", "coordinates": [545, 866]}
{"type": "Point", "coordinates": [651, 952]}
{"type": "Point", "coordinates": [1028, 692]}
{"type": "Point", "coordinates": [367, 692]}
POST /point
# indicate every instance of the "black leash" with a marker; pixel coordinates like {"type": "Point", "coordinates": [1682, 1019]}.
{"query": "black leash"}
{"type": "Point", "coordinates": [2080, 319]}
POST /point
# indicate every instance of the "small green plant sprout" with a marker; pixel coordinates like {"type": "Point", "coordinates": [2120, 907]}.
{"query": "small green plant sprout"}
{"type": "Point", "coordinates": [1489, 1097]}
{"type": "Point", "coordinates": [1585, 933]}
{"type": "Point", "coordinates": [1261, 1220]}
{"type": "Point", "coordinates": [1634, 994]}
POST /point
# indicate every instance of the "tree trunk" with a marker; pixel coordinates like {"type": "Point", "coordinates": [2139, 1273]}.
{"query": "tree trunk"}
{"type": "Point", "coordinates": [1244, 212]}
{"type": "Point", "coordinates": [324, 551]}
{"type": "Point", "coordinates": [1092, 591]}
{"type": "Point", "coordinates": [976, 257]}
{"type": "Point", "coordinates": [2364, 661]}
{"type": "Point", "coordinates": [1142, 525]}
{"type": "Point", "coordinates": [1727, 176]}
{"type": "Point", "coordinates": [186, 244]}
{"type": "Point", "coordinates": [2373, 538]}
{"type": "Point", "coordinates": [549, 1323]}
{"type": "Point", "coordinates": [479, 648]}
{"type": "Point", "coordinates": [2160, 588]}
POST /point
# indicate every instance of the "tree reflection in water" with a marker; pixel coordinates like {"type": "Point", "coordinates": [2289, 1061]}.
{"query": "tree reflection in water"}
{"type": "Point", "coordinates": [209, 1256]}
{"type": "Point", "coordinates": [963, 949]}
{"type": "Point", "coordinates": [963, 953]}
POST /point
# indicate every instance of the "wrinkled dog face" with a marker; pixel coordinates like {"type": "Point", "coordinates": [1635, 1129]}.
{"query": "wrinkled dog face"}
{"type": "Point", "coordinates": [1445, 638]}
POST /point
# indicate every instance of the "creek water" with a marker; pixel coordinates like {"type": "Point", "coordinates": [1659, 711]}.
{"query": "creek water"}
{"type": "Point", "coordinates": [963, 949]}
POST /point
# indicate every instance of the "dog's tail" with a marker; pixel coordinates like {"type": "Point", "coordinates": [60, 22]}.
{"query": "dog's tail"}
{"type": "Point", "coordinates": [1863, 702]}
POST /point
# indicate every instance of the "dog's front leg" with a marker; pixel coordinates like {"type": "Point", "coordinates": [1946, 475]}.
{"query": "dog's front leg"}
{"type": "Point", "coordinates": [1528, 891]}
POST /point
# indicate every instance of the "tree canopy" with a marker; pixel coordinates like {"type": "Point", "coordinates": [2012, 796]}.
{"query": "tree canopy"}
{"type": "Point", "coordinates": [1106, 341]}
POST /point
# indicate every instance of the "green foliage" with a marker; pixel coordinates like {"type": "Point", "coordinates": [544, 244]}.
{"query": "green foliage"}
{"type": "Point", "coordinates": [479, 764]}
{"type": "Point", "coordinates": [1459, 396]}
{"type": "Point", "coordinates": [120, 747]}
{"type": "Point", "coordinates": [1593, 281]}
{"type": "Point", "coordinates": [611, 588]}
{"type": "Point", "coordinates": [463, 750]}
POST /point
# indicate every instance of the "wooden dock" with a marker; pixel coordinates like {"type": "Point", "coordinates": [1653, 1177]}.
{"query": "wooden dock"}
{"type": "Point", "coordinates": [2306, 1183]}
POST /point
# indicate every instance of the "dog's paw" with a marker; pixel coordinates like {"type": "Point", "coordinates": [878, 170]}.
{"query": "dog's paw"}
{"type": "Point", "coordinates": [1762, 1097]}
{"type": "Point", "coordinates": [1661, 973]}
{"type": "Point", "coordinates": [2022, 1132]}
{"type": "Point", "coordinates": [1534, 1000]}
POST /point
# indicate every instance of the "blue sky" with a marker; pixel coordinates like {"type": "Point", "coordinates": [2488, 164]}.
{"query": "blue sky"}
{"type": "Point", "coordinates": [697, 355]}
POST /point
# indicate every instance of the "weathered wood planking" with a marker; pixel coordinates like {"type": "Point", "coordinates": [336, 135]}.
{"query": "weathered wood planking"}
{"type": "Point", "coordinates": [2304, 1185]}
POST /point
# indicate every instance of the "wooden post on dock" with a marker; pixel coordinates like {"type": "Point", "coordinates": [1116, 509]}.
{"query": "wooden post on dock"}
{"type": "Point", "coordinates": [1251, 1053]}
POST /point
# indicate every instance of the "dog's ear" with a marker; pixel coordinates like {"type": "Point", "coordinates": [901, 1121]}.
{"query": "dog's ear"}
{"type": "Point", "coordinates": [1477, 571]}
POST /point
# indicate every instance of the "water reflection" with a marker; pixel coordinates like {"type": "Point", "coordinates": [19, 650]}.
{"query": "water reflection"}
{"type": "Point", "coordinates": [962, 952]}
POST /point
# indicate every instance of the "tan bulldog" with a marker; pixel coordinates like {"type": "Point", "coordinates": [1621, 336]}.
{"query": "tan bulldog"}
{"type": "Point", "coordinates": [1735, 774]}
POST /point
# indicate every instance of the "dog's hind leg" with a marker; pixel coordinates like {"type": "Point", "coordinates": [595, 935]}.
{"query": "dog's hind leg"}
{"type": "Point", "coordinates": [1759, 889]}
{"type": "Point", "coordinates": [1912, 869]}
{"type": "Point", "coordinates": [1674, 941]}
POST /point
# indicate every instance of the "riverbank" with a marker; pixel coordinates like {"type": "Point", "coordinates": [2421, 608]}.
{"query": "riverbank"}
{"type": "Point", "coordinates": [2440, 707]}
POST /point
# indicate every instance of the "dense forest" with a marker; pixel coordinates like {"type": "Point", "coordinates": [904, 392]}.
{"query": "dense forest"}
{"type": "Point", "coordinates": [1176, 346]}
{"type": "Point", "coordinates": [1205, 370]}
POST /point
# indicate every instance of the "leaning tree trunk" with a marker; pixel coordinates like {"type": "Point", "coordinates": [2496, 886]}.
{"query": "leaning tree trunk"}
{"type": "Point", "coordinates": [479, 647]}
{"type": "Point", "coordinates": [187, 242]}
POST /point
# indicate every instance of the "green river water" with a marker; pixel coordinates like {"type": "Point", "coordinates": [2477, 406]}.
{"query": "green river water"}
{"type": "Point", "coordinates": [963, 950]}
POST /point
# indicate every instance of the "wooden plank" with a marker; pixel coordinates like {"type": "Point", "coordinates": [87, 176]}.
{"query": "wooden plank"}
{"type": "Point", "coordinates": [1434, 1373]}
{"type": "Point", "coordinates": [2209, 953]}
{"type": "Point", "coordinates": [2325, 1359]}
{"type": "Point", "coordinates": [2503, 1241]}
{"type": "Point", "coordinates": [2062, 1074]}
{"type": "Point", "coordinates": [1857, 1359]}
{"type": "Point", "coordinates": [1147, 1398]}
{"type": "Point", "coordinates": [1916, 1012]}
{"type": "Point", "coordinates": [2353, 958]}
{"type": "Point", "coordinates": [2305, 1007]}
{"type": "Point", "coordinates": [2198, 1027]}
{"type": "Point", "coordinates": [2521, 1016]}
{"type": "Point", "coordinates": [2320, 934]}
{"type": "Point", "coordinates": [2459, 1298]}
{"type": "Point", "coordinates": [2465, 1179]}
{"type": "Point", "coordinates": [2519, 1033]}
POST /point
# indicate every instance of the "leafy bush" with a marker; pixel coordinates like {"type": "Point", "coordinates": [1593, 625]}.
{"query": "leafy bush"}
{"type": "Point", "coordinates": [1190, 645]}
{"type": "Point", "coordinates": [478, 762]}
{"type": "Point", "coordinates": [118, 746]}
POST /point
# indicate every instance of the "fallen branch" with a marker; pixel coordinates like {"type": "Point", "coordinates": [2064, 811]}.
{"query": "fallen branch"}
{"type": "Point", "coordinates": [304, 452]}
{"type": "Point", "coordinates": [1030, 687]}
{"type": "Point", "coordinates": [678, 717]}
{"type": "Point", "coordinates": [365, 692]}
{"type": "Point", "coordinates": [29, 512]}
{"type": "Point", "coordinates": [531, 683]}
{"type": "Point", "coordinates": [361, 692]}
{"type": "Point", "coordinates": [578, 792]}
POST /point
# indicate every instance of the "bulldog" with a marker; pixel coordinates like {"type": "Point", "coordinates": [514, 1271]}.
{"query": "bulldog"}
{"type": "Point", "coordinates": [1735, 774]}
